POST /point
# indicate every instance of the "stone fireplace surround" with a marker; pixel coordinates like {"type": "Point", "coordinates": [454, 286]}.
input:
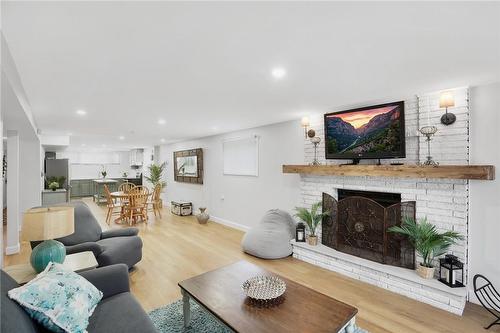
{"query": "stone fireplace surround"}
{"type": "Point", "coordinates": [444, 202]}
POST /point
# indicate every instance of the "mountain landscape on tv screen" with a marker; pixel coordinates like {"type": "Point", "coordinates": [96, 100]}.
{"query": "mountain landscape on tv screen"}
{"type": "Point", "coordinates": [380, 134]}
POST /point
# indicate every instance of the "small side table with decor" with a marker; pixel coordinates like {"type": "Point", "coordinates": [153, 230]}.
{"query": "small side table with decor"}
{"type": "Point", "coordinates": [77, 262]}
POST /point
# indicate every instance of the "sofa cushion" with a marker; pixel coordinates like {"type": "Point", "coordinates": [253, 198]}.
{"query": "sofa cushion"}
{"type": "Point", "coordinates": [120, 313]}
{"type": "Point", "coordinates": [58, 299]}
{"type": "Point", "coordinates": [13, 317]}
{"type": "Point", "coordinates": [116, 250]}
{"type": "Point", "coordinates": [270, 239]}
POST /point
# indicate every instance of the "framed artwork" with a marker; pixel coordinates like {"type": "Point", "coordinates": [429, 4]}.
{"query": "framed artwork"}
{"type": "Point", "coordinates": [188, 166]}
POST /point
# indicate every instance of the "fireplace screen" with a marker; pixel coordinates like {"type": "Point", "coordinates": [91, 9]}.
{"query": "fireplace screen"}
{"type": "Point", "coordinates": [358, 225]}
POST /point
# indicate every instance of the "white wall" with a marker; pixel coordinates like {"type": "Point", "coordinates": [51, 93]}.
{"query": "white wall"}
{"type": "Point", "coordinates": [246, 198]}
{"type": "Point", "coordinates": [484, 221]}
{"type": "Point", "coordinates": [30, 184]}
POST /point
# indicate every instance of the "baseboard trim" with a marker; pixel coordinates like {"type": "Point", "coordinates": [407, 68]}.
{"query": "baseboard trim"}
{"type": "Point", "coordinates": [228, 223]}
{"type": "Point", "coordinates": [12, 249]}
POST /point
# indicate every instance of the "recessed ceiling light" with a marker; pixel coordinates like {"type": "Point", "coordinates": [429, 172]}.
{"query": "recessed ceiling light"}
{"type": "Point", "coordinates": [161, 122]}
{"type": "Point", "coordinates": [83, 144]}
{"type": "Point", "coordinates": [162, 140]}
{"type": "Point", "coordinates": [278, 72]}
{"type": "Point", "coordinates": [121, 137]}
{"type": "Point", "coordinates": [81, 112]}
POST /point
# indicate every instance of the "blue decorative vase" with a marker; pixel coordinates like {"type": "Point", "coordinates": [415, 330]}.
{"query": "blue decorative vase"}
{"type": "Point", "coordinates": [45, 252]}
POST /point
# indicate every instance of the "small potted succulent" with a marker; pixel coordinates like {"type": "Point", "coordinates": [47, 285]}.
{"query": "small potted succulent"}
{"type": "Point", "coordinates": [54, 186]}
{"type": "Point", "coordinates": [428, 242]}
{"type": "Point", "coordinates": [312, 218]}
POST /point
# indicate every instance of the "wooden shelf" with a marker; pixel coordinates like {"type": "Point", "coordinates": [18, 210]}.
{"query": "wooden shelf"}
{"type": "Point", "coordinates": [480, 172]}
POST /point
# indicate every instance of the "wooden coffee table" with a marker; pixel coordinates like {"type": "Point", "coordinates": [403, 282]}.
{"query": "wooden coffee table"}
{"type": "Point", "coordinates": [302, 310]}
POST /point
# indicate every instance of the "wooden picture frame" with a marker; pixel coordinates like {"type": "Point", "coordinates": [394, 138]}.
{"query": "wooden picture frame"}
{"type": "Point", "coordinates": [188, 166]}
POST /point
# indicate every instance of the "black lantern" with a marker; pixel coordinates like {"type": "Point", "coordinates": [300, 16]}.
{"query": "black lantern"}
{"type": "Point", "coordinates": [300, 232]}
{"type": "Point", "coordinates": [451, 271]}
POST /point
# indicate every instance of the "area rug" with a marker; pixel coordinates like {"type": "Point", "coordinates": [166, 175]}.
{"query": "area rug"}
{"type": "Point", "coordinates": [169, 319]}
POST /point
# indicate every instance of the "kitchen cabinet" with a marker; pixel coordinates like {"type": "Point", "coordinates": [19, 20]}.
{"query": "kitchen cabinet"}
{"type": "Point", "coordinates": [82, 188]}
{"type": "Point", "coordinates": [136, 157]}
{"type": "Point", "coordinates": [86, 188]}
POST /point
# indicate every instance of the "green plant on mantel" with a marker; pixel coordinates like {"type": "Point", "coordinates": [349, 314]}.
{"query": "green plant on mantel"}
{"type": "Point", "coordinates": [428, 242]}
{"type": "Point", "coordinates": [311, 217]}
{"type": "Point", "coordinates": [54, 186]}
{"type": "Point", "coordinates": [156, 175]}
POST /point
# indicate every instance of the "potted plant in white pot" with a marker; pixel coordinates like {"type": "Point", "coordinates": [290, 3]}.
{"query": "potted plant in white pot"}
{"type": "Point", "coordinates": [428, 242]}
{"type": "Point", "coordinates": [312, 218]}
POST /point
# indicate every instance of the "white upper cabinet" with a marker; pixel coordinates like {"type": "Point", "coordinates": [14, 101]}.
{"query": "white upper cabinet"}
{"type": "Point", "coordinates": [136, 157]}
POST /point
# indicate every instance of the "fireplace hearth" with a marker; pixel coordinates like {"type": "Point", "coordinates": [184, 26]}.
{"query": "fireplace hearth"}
{"type": "Point", "coordinates": [358, 224]}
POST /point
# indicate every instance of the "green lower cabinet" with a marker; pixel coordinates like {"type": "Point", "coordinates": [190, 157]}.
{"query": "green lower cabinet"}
{"type": "Point", "coordinates": [75, 188]}
{"type": "Point", "coordinates": [87, 188]}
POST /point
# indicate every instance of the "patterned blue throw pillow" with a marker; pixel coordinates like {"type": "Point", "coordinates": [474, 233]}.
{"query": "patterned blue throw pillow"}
{"type": "Point", "coordinates": [58, 299]}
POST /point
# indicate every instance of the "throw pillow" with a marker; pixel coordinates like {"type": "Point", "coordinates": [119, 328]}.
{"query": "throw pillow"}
{"type": "Point", "coordinates": [58, 299]}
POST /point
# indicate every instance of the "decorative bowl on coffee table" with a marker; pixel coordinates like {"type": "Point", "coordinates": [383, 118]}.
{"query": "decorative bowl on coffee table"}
{"type": "Point", "coordinates": [264, 288]}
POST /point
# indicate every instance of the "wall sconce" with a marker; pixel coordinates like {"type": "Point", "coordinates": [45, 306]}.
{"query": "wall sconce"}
{"type": "Point", "coordinates": [304, 122]}
{"type": "Point", "coordinates": [447, 100]}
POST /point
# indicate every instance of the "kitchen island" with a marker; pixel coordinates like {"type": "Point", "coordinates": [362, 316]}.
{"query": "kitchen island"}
{"type": "Point", "coordinates": [99, 195]}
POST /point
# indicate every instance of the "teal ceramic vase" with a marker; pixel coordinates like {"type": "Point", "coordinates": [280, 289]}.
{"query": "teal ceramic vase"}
{"type": "Point", "coordinates": [45, 252]}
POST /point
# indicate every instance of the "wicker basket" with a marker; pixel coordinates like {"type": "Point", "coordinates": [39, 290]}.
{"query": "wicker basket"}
{"type": "Point", "coordinates": [425, 272]}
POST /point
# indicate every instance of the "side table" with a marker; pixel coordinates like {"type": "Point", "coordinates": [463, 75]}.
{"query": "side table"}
{"type": "Point", "coordinates": [77, 262]}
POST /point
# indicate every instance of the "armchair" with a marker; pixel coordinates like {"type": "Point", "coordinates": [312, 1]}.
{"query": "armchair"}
{"type": "Point", "coordinates": [109, 247]}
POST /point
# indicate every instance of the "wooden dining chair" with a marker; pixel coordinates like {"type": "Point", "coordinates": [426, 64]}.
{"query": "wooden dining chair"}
{"type": "Point", "coordinates": [126, 187]}
{"type": "Point", "coordinates": [137, 206]}
{"type": "Point", "coordinates": [111, 205]}
{"type": "Point", "coordinates": [155, 201]}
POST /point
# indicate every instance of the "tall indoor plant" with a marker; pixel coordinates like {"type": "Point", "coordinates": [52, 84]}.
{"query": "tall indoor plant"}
{"type": "Point", "coordinates": [428, 242]}
{"type": "Point", "coordinates": [156, 175]}
{"type": "Point", "coordinates": [312, 218]}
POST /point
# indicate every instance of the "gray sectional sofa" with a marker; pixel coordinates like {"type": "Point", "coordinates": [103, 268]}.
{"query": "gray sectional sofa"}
{"type": "Point", "coordinates": [118, 311]}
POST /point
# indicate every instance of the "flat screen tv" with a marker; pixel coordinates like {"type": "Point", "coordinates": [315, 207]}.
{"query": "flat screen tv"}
{"type": "Point", "coordinates": [369, 132]}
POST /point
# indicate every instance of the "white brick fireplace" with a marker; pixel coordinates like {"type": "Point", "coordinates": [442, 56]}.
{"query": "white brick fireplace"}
{"type": "Point", "coordinates": [445, 202]}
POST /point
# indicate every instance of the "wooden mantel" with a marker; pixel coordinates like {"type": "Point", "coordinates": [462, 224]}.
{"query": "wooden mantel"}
{"type": "Point", "coordinates": [480, 172]}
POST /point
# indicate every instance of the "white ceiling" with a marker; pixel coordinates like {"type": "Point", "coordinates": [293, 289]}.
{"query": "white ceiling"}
{"type": "Point", "coordinates": [205, 67]}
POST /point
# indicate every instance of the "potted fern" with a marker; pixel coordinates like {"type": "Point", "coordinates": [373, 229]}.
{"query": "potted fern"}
{"type": "Point", "coordinates": [428, 242]}
{"type": "Point", "coordinates": [312, 218]}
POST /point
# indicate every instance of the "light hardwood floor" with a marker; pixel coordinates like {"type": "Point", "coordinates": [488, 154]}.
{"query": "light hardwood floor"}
{"type": "Point", "coordinates": [176, 248]}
